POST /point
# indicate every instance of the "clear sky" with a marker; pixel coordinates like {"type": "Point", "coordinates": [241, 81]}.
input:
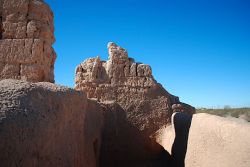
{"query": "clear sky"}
{"type": "Point", "coordinates": [199, 50]}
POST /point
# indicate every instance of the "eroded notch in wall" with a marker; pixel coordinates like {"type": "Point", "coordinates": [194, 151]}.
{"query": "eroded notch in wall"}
{"type": "Point", "coordinates": [1, 27]}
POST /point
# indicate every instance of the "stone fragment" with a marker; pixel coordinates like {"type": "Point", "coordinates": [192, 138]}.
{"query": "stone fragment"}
{"type": "Point", "coordinates": [144, 70]}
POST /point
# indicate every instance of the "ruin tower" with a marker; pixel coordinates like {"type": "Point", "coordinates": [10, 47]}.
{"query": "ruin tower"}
{"type": "Point", "coordinates": [26, 38]}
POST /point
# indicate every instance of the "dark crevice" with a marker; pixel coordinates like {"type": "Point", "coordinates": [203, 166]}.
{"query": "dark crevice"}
{"type": "Point", "coordinates": [19, 69]}
{"type": "Point", "coordinates": [95, 147]}
{"type": "Point", "coordinates": [136, 65]}
{"type": "Point", "coordinates": [43, 47]}
{"type": "Point", "coordinates": [27, 17]}
{"type": "Point", "coordinates": [1, 27]}
{"type": "Point", "coordinates": [182, 122]}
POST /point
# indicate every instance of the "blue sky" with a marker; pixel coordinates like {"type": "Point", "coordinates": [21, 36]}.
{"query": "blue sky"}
{"type": "Point", "coordinates": [199, 50]}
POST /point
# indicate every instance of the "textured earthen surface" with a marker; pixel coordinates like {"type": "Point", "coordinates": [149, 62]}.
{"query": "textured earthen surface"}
{"type": "Point", "coordinates": [131, 85]}
{"type": "Point", "coordinates": [43, 124]}
{"type": "Point", "coordinates": [123, 145]}
{"type": "Point", "coordinates": [26, 38]}
{"type": "Point", "coordinates": [213, 141]}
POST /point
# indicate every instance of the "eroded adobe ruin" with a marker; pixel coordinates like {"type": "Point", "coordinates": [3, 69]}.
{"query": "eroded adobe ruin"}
{"type": "Point", "coordinates": [26, 38]}
{"type": "Point", "coordinates": [131, 85]}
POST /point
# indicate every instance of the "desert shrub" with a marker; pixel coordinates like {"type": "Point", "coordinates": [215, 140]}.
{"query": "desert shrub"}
{"type": "Point", "coordinates": [243, 113]}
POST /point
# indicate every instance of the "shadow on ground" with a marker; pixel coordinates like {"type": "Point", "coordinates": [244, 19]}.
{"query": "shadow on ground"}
{"type": "Point", "coordinates": [124, 145]}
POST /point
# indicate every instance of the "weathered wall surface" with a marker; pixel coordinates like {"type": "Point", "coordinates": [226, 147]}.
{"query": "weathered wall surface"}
{"type": "Point", "coordinates": [213, 141]}
{"type": "Point", "coordinates": [48, 125]}
{"type": "Point", "coordinates": [26, 38]}
{"type": "Point", "coordinates": [42, 124]}
{"type": "Point", "coordinates": [131, 85]}
{"type": "Point", "coordinates": [123, 145]}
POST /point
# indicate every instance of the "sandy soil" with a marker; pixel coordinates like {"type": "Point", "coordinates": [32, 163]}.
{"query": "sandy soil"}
{"type": "Point", "coordinates": [213, 141]}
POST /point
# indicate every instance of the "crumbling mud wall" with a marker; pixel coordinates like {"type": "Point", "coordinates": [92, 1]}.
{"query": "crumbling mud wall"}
{"type": "Point", "coordinates": [131, 85]}
{"type": "Point", "coordinates": [26, 38]}
{"type": "Point", "coordinates": [42, 124]}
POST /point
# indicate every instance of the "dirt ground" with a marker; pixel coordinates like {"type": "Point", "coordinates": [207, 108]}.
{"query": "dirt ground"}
{"type": "Point", "coordinates": [213, 141]}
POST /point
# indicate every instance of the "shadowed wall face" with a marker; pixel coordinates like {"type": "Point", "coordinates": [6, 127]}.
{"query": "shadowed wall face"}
{"type": "Point", "coordinates": [182, 122]}
{"type": "Point", "coordinates": [123, 145]}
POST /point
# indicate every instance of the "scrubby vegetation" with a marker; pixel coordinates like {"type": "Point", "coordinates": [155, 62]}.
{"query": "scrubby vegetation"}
{"type": "Point", "coordinates": [227, 111]}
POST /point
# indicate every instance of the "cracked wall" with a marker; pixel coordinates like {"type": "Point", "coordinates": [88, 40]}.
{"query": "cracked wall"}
{"type": "Point", "coordinates": [130, 84]}
{"type": "Point", "coordinates": [26, 38]}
